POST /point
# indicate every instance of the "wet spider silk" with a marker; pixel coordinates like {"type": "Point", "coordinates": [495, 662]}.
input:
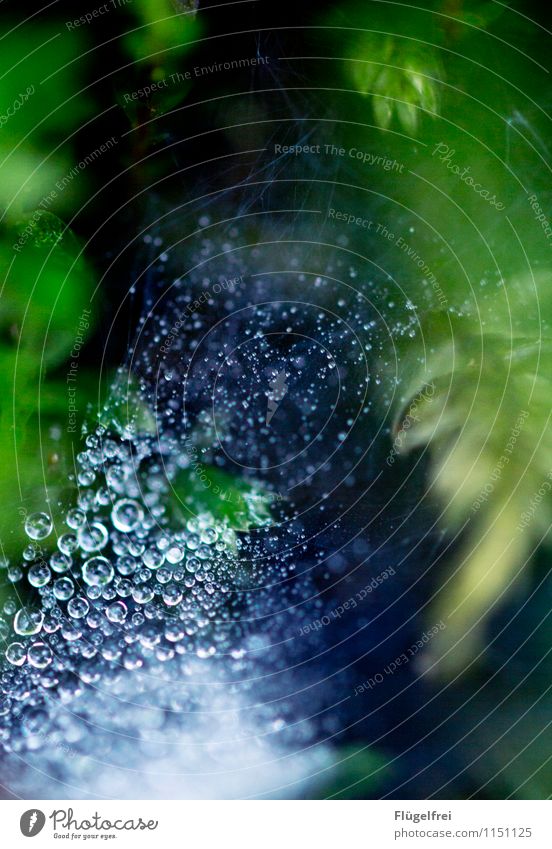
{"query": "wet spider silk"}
{"type": "Point", "coordinates": [162, 652]}
{"type": "Point", "coordinates": [209, 661]}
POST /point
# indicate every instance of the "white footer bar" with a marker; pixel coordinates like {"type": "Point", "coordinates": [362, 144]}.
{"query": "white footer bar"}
{"type": "Point", "coordinates": [277, 824]}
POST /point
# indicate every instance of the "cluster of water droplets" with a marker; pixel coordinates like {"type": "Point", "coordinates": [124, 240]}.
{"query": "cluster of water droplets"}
{"type": "Point", "coordinates": [119, 582]}
{"type": "Point", "coordinates": [125, 640]}
{"type": "Point", "coordinates": [136, 639]}
{"type": "Point", "coordinates": [120, 591]}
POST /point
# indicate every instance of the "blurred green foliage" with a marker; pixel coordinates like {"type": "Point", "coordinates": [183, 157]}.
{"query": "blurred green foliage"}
{"type": "Point", "coordinates": [487, 423]}
{"type": "Point", "coordinates": [358, 773]}
{"type": "Point", "coordinates": [42, 102]}
{"type": "Point", "coordinates": [441, 74]}
{"type": "Point", "coordinates": [44, 313]}
{"type": "Point", "coordinates": [163, 32]}
{"type": "Point", "coordinates": [401, 79]}
{"type": "Point", "coordinates": [46, 284]}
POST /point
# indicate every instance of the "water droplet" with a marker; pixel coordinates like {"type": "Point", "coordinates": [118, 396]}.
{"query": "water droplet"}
{"type": "Point", "coordinates": [153, 558]}
{"type": "Point", "coordinates": [28, 621]}
{"type": "Point", "coordinates": [40, 655]}
{"type": "Point", "coordinates": [209, 535]}
{"type": "Point", "coordinates": [126, 565]}
{"type": "Point", "coordinates": [93, 537]}
{"type": "Point", "coordinates": [39, 575]}
{"type": "Point", "coordinates": [60, 562]}
{"type": "Point", "coordinates": [142, 595]}
{"type": "Point", "coordinates": [192, 542]}
{"type": "Point", "coordinates": [63, 589]}
{"type": "Point", "coordinates": [174, 632]}
{"type": "Point", "coordinates": [127, 515]}
{"type": "Point", "coordinates": [75, 518]}
{"type": "Point", "coordinates": [15, 573]}
{"type": "Point", "coordinates": [16, 654]}
{"type": "Point", "coordinates": [97, 571]}
{"type": "Point", "coordinates": [192, 564]}
{"type": "Point", "coordinates": [172, 594]}
{"type": "Point", "coordinates": [116, 612]}
{"type": "Point", "coordinates": [67, 543]}
{"type": "Point", "coordinates": [31, 552]}
{"type": "Point", "coordinates": [38, 525]}
{"type": "Point", "coordinates": [174, 554]}
{"type": "Point", "coordinates": [78, 607]}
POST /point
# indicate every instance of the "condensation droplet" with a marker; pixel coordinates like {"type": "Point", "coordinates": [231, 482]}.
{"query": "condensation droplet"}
{"type": "Point", "coordinates": [127, 515]}
{"type": "Point", "coordinates": [97, 571]}
{"type": "Point", "coordinates": [28, 621]}
{"type": "Point", "coordinates": [16, 654]}
{"type": "Point", "coordinates": [40, 655]}
{"type": "Point", "coordinates": [38, 526]}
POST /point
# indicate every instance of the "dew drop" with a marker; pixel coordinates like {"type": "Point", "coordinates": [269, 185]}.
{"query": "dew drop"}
{"type": "Point", "coordinates": [78, 607]}
{"type": "Point", "coordinates": [97, 571]}
{"type": "Point", "coordinates": [93, 537]}
{"type": "Point", "coordinates": [75, 518]}
{"type": "Point", "coordinates": [127, 515]}
{"type": "Point", "coordinates": [116, 612]}
{"type": "Point", "coordinates": [60, 562]}
{"type": "Point", "coordinates": [40, 655]}
{"type": "Point", "coordinates": [153, 558]}
{"type": "Point", "coordinates": [63, 589]}
{"type": "Point", "coordinates": [39, 575]}
{"type": "Point", "coordinates": [67, 543]}
{"type": "Point", "coordinates": [38, 525]}
{"type": "Point", "coordinates": [16, 654]}
{"type": "Point", "coordinates": [172, 594]}
{"type": "Point", "coordinates": [28, 621]}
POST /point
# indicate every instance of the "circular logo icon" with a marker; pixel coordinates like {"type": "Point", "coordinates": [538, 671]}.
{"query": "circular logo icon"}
{"type": "Point", "coordinates": [32, 822]}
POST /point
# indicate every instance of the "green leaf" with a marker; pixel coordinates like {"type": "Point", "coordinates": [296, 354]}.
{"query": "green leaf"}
{"type": "Point", "coordinates": [402, 80]}
{"type": "Point", "coordinates": [125, 410]}
{"type": "Point", "coordinates": [232, 501]}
